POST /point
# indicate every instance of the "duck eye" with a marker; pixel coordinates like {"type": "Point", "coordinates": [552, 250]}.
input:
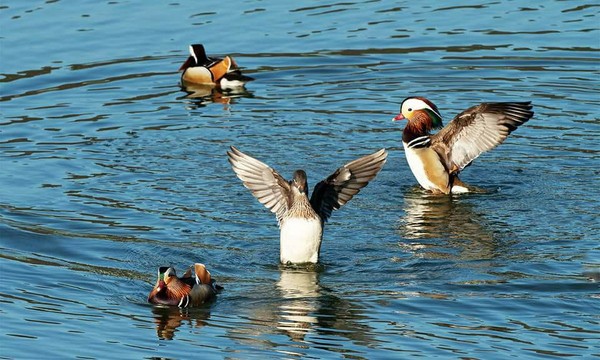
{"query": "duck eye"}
{"type": "Point", "coordinates": [409, 109]}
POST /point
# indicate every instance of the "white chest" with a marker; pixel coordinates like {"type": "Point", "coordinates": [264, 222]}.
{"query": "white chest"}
{"type": "Point", "coordinates": [300, 240]}
{"type": "Point", "coordinates": [198, 75]}
{"type": "Point", "coordinates": [427, 168]}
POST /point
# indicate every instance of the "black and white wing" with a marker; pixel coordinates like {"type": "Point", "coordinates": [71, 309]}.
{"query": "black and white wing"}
{"type": "Point", "coordinates": [333, 192]}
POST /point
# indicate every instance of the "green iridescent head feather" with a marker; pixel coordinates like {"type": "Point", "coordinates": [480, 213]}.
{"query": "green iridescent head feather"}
{"type": "Point", "coordinates": [436, 119]}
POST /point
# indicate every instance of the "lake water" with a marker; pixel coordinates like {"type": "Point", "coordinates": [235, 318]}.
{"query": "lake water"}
{"type": "Point", "coordinates": [108, 171]}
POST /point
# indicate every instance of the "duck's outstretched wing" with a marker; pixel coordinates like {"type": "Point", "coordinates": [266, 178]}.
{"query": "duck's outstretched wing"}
{"type": "Point", "coordinates": [333, 192]}
{"type": "Point", "coordinates": [477, 130]}
{"type": "Point", "coordinates": [270, 188]}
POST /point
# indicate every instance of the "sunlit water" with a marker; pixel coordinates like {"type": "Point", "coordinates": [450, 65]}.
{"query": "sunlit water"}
{"type": "Point", "coordinates": [108, 170]}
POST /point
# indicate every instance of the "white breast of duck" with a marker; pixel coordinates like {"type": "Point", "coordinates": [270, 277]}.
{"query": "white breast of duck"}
{"type": "Point", "coordinates": [198, 75]}
{"type": "Point", "coordinates": [426, 166]}
{"type": "Point", "coordinates": [301, 234]}
{"type": "Point", "coordinates": [429, 171]}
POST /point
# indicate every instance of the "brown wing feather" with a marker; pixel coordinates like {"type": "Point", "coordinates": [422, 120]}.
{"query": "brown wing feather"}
{"type": "Point", "coordinates": [270, 188]}
{"type": "Point", "coordinates": [478, 129]}
{"type": "Point", "coordinates": [333, 192]}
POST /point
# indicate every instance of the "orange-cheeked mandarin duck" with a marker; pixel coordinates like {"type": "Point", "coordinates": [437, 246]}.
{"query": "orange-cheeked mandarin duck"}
{"type": "Point", "coordinates": [194, 288]}
{"type": "Point", "coordinates": [436, 159]}
{"type": "Point", "coordinates": [204, 70]}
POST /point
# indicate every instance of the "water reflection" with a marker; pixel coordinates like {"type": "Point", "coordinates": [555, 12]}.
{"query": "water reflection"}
{"type": "Point", "coordinates": [108, 170]}
{"type": "Point", "coordinates": [203, 94]}
{"type": "Point", "coordinates": [453, 219]}
{"type": "Point", "coordinates": [301, 290]}
{"type": "Point", "coordinates": [308, 313]}
{"type": "Point", "coordinates": [310, 309]}
{"type": "Point", "coordinates": [169, 318]}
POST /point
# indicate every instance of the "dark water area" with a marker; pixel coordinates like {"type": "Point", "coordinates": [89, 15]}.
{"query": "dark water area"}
{"type": "Point", "coordinates": [109, 170]}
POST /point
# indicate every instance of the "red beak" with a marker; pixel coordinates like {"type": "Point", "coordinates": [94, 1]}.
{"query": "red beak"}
{"type": "Point", "coordinates": [399, 117]}
{"type": "Point", "coordinates": [161, 285]}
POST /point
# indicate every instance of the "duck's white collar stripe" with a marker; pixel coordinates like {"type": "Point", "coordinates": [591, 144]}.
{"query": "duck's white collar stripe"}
{"type": "Point", "coordinates": [421, 141]}
{"type": "Point", "coordinates": [187, 301]}
{"type": "Point", "coordinates": [193, 54]}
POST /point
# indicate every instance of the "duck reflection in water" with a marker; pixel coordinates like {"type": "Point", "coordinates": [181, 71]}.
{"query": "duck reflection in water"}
{"type": "Point", "coordinates": [300, 290]}
{"type": "Point", "coordinates": [453, 219]}
{"type": "Point", "coordinates": [308, 308]}
{"type": "Point", "coordinates": [202, 94]}
{"type": "Point", "coordinates": [304, 310]}
{"type": "Point", "coordinates": [169, 318]}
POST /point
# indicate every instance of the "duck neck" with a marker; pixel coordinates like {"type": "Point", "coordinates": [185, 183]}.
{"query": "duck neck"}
{"type": "Point", "coordinates": [414, 130]}
{"type": "Point", "coordinates": [419, 125]}
{"type": "Point", "coordinates": [301, 207]}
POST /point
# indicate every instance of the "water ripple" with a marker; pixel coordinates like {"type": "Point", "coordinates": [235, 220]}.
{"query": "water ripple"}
{"type": "Point", "coordinates": [109, 170]}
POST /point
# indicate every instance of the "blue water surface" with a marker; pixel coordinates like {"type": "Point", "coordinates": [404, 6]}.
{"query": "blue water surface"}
{"type": "Point", "coordinates": [109, 170]}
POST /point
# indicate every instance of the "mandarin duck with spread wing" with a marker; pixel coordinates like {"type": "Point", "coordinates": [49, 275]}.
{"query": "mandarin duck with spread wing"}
{"type": "Point", "coordinates": [436, 159]}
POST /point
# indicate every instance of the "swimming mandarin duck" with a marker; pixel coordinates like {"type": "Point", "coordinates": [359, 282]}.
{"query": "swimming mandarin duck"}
{"type": "Point", "coordinates": [184, 291]}
{"type": "Point", "coordinates": [301, 220]}
{"type": "Point", "coordinates": [201, 69]}
{"type": "Point", "coordinates": [437, 159]}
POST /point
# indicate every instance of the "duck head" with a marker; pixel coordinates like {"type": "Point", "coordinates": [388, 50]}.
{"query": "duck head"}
{"type": "Point", "coordinates": [299, 182]}
{"type": "Point", "coordinates": [422, 115]}
{"type": "Point", "coordinates": [197, 57]}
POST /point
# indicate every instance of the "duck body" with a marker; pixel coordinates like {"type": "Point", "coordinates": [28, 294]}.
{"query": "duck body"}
{"type": "Point", "coordinates": [203, 70]}
{"type": "Point", "coordinates": [301, 234]}
{"type": "Point", "coordinates": [427, 169]}
{"type": "Point", "coordinates": [194, 288]}
{"type": "Point", "coordinates": [436, 159]}
{"type": "Point", "coordinates": [301, 220]}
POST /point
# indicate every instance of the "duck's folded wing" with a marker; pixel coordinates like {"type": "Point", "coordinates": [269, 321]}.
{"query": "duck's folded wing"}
{"type": "Point", "coordinates": [219, 68]}
{"type": "Point", "coordinates": [333, 192]}
{"type": "Point", "coordinates": [270, 188]}
{"type": "Point", "coordinates": [478, 129]}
